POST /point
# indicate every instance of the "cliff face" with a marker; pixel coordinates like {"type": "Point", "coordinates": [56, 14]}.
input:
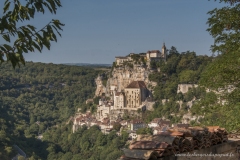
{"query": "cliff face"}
{"type": "Point", "coordinates": [123, 76]}
{"type": "Point", "coordinates": [100, 87]}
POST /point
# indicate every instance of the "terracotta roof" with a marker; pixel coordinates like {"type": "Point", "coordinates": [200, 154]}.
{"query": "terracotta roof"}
{"type": "Point", "coordinates": [163, 122]}
{"type": "Point", "coordinates": [105, 121]}
{"type": "Point", "coordinates": [182, 125]}
{"type": "Point", "coordinates": [137, 84]}
{"type": "Point", "coordinates": [153, 51]}
{"type": "Point", "coordinates": [156, 120]}
{"type": "Point", "coordinates": [78, 119]}
{"type": "Point", "coordinates": [135, 121]}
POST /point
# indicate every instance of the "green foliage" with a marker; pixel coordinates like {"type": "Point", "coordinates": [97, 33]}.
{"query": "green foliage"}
{"type": "Point", "coordinates": [38, 98]}
{"type": "Point", "coordinates": [138, 59]}
{"type": "Point", "coordinates": [224, 26]}
{"type": "Point", "coordinates": [223, 71]}
{"type": "Point", "coordinates": [135, 57]}
{"type": "Point", "coordinates": [96, 99]}
{"type": "Point", "coordinates": [84, 144]}
{"type": "Point", "coordinates": [179, 68]}
{"type": "Point", "coordinates": [104, 77]}
{"type": "Point", "coordinates": [129, 64]}
{"type": "Point", "coordinates": [117, 126]}
{"type": "Point", "coordinates": [164, 110]}
{"type": "Point", "coordinates": [26, 38]}
{"type": "Point", "coordinates": [144, 131]}
{"type": "Point", "coordinates": [188, 76]}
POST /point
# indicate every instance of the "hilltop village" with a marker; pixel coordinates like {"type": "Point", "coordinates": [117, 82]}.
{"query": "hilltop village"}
{"type": "Point", "coordinates": [127, 92]}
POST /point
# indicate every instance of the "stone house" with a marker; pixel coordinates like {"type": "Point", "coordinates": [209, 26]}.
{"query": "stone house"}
{"type": "Point", "coordinates": [132, 135]}
{"type": "Point", "coordinates": [120, 60]}
{"type": "Point", "coordinates": [154, 123]}
{"type": "Point", "coordinates": [158, 122]}
{"type": "Point", "coordinates": [136, 124]}
{"type": "Point", "coordinates": [103, 109]}
{"type": "Point", "coordinates": [136, 93]}
{"type": "Point", "coordinates": [158, 130]}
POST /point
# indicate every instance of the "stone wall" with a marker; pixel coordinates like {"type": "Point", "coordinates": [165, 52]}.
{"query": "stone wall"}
{"type": "Point", "coordinates": [185, 87]}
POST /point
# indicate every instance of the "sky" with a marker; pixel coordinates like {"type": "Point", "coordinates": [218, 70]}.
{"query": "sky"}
{"type": "Point", "coordinates": [96, 31]}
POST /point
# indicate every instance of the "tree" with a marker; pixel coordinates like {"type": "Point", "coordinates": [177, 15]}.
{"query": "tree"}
{"type": "Point", "coordinates": [187, 76]}
{"type": "Point", "coordinates": [144, 131]}
{"type": "Point", "coordinates": [117, 126]}
{"type": "Point", "coordinates": [22, 38]}
{"type": "Point", "coordinates": [224, 26]}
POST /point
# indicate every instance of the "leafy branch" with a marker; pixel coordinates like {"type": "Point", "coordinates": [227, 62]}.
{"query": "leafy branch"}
{"type": "Point", "coordinates": [27, 37]}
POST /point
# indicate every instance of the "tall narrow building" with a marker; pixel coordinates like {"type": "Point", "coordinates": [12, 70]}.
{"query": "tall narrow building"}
{"type": "Point", "coordinates": [164, 52]}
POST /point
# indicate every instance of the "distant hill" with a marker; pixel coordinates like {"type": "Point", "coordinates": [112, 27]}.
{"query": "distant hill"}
{"type": "Point", "coordinates": [88, 64]}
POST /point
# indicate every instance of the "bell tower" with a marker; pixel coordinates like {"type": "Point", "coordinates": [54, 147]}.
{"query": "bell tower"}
{"type": "Point", "coordinates": [164, 52]}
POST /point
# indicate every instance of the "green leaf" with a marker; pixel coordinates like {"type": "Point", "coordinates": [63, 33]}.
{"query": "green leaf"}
{"type": "Point", "coordinates": [37, 46]}
{"type": "Point", "coordinates": [31, 27]}
{"type": "Point", "coordinates": [6, 7]}
{"type": "Point", "coordinates": [7, 47]}
{"type": "Point", "coordinates": [6, 37]}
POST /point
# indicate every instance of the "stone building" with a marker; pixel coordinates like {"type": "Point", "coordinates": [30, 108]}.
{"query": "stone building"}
{"type": "Point", "coordinates": [136, 124]}
{"type": "Point", "coordinates": [132, 97]}
{"type": "Point", "coordinates": [136, 93]}
{"type": "Point", "coordinates": [119, 100]}
{"type": "Point", "coordinates": [156, 55]}
{"type": "Point", "coordinates": [151, 55]}
{"type": "Point", "coordinates": [103, 109]}
{"type": "Point", "coordinates": [120, 60]}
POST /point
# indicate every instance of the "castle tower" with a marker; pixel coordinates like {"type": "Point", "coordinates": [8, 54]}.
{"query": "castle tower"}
{"type": "Point", "coordinates": [164, 52]}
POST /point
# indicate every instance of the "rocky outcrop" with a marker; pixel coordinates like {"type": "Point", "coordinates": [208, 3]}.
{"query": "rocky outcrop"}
{"type": "Point", "coordinates": [100, 87]}
{"type": "Point", "coordinates": [123, 76]}
{"type": "Point", "coordinates": [185, 87]}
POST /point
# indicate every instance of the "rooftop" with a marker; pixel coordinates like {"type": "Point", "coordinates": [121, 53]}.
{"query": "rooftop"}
{"type": "Point", "coordinates": [137, 84]}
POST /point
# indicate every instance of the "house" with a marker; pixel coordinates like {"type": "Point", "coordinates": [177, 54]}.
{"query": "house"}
{"type": "Point", "coordinates": [132, 135]}
{"type": "Point", "coordinates": [165, 123]}
{"type": "Point", "coordinates": [136, 124]}
{"type": "Point", "coordinates": [154, 123]}
{"type": "Point", "coordinates": [158, 122]}
{"type": "Point", "coordinates": [124, 123]}
{"type": "Point", "coordinates": [158, 130]}
{"type": "Point", "coordinates": [121, 60]}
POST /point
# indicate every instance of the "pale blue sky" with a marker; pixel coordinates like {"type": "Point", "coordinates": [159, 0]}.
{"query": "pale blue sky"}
{"type": "Point", "coordinates": [96, 31]}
